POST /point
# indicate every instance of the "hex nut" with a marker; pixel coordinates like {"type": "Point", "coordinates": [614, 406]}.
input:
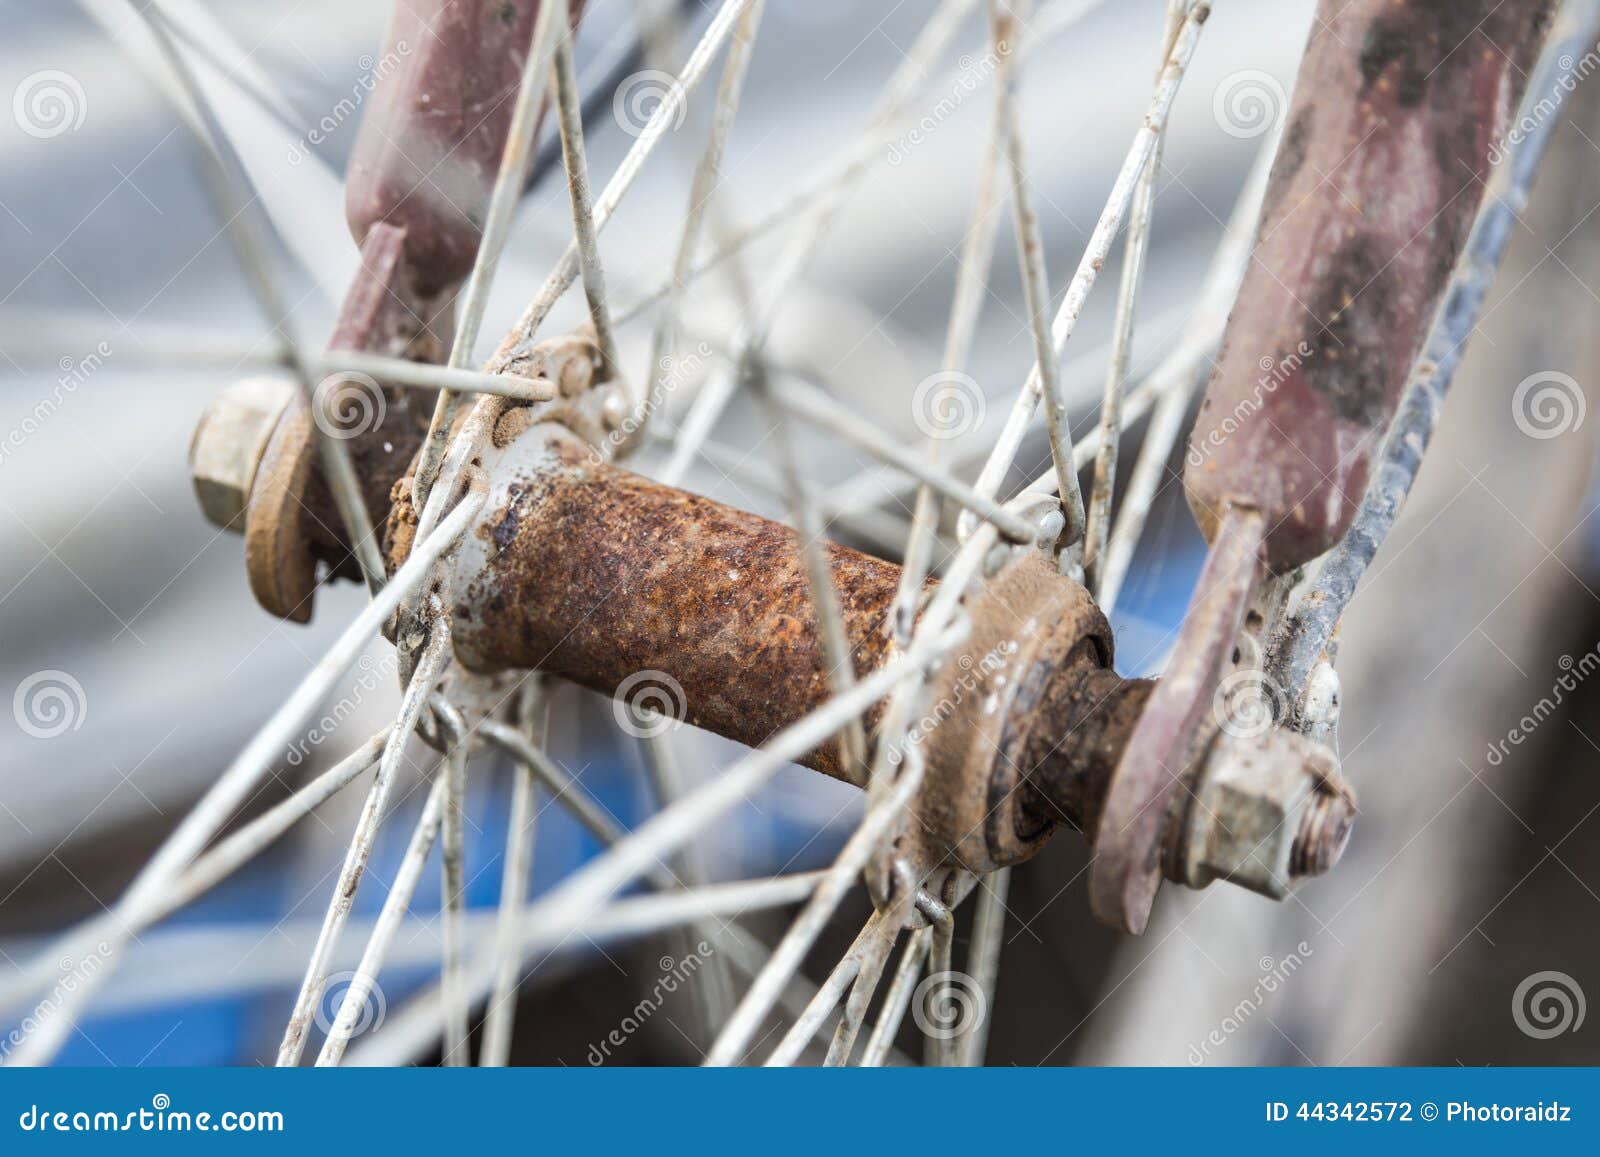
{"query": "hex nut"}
{"type": "Point", "coordinates": [1247, 809]}
{"type": "Point", "coordinates": [229, 443]}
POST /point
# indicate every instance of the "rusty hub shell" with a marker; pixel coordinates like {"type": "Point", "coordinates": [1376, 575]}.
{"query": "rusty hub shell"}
{"type": "Point", "coordinates": [585, 570]}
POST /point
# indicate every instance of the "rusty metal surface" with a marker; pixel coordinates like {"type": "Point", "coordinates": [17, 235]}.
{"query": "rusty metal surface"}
{"type": "Point", "coordinates": [292, 523]}
{"type": "Point", "coordinates": [1349, 263]}
{"type": "Point", "coordinates": [1068, 768]}
{"type": "Point", "coordinates": [431, 138]}
{"type": "Point", "coordinates": [626, 586]}
{"type": "Point", "coordinates": [1128, 842]}
{"type": "Point", "coordinates": [1002, 726]}
{"type": "Point", "coordinates": [417, 192]}
{"type": "Point", "coordinates": [590, 572]}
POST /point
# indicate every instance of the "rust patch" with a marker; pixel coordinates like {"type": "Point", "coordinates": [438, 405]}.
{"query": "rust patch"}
{"type": "Point", "coordinates": [1371, 198]}
{"type": "Point", "coordinates": [597, 574]}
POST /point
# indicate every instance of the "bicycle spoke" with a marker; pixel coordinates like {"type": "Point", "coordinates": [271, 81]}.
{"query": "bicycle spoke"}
{"type": "Point", "coordinates": [1094, 256]}
{"type": "Point", "coordinates": [1185, 373]}
{"type": "Point", "coordinates": [897, 1000]}
{"type": "Point", "coordinates": [241, 216]}
{"type": "Point", "coordinates": [231, 788]}
{"type": "Point", "coordinates": [827, 997]}
{"type": "Point", "coordinates": [429, 667]}
{"type": "Point", "coordinates": [983, 961]}
{"type": "Point", "coordinates": [703, 189]}
{"type": "Point", "coordinates": [588, 812]}
{"type": "Point", "coordinates": [972, 280]}
{"type": "Point", "coordinates": [839, 420]}
{"type": "Point", "coordinates": [395, 904]}
{"type": "Point", "coordinates": [1036, 285]}
{"type": "Point", "coordinates": [1134, 249]}
{"type": "Point", "coordinates": [869, 971]}
{"type": "Point", "coordinates": [583, 225]}
{"type": "Point", "coordinates": [452, 890]}
{"type": "Point", "coordinates": [494, 1049]}
{"type": "Point", "coordinates": [791, 263]}
{"type": "Point", "coordinates": [732, 1045]}
{"type": "Point", "coordinates": [834, 176]}
{"type": "Point", "coordinates": [508, 184]}
{"type": "Point", "coordinates": [819, 570]}
{"type": "Point", "coordinates": [210, 869]}
{"type": "Point", "coordinates": [566, 270]}
{"type": "Point", "coordinates": [662, 767]}
{"type": "Point", "coordinates": [427, 376]}
{"type": "Point", "coordinates": [630, 918]}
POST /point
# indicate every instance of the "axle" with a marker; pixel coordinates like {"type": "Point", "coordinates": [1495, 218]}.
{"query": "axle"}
{"type": "Point", "coordinates": [642, 591]}
{"type": "Point", "coordinates": [668, 600]}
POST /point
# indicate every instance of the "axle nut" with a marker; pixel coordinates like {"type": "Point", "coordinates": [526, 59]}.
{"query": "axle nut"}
{"type": "Point", "coordinates": [1265, 811]}
{"type": "Point", "coordinates": [228, 445]}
